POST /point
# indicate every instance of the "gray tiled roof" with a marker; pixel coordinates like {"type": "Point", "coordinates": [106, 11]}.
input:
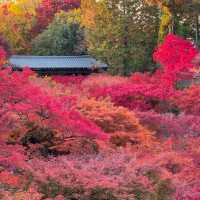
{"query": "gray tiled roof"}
{"type": "Point", "coordinates": [56, 62]}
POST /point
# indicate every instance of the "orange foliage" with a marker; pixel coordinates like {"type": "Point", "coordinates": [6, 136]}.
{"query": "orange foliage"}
{"type": "Point", "coordinates": [3, 56]}
{"type": "Point", "coordinates": [88, 15]}
{"type": "Point", "coordinates": [121, 123]}
{"type": "Point", "coordinates": [109, 117]}
{"type": "Point", "coordinates": [9, 179]}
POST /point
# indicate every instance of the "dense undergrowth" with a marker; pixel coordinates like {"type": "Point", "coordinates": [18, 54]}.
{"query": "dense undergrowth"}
{"type": "Point", "coordinates": [102, 137]}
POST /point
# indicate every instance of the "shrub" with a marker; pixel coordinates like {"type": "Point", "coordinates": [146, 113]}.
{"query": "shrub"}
{"type": "Point", "coordinates": [164, 190]}
{"type": "Point", "coordinates": [25, 106]}
{"type": "Point", "coordinates": [109, 117]}
{"type": "Point", "coordinates": [77, 145]}
{"type": "Point", "coordinates": [52, 189]}
{"type": "Point", "coordinates": [141, 91]}
{"type": "Point", "coordinates": [95, 82]}
{"type": "Point", "coordinates": [119, 174]}
{"type": "Point", "coordinates": [101, 194]}
{"type": "Point", "coordinates": [69, 81]}
{"type": "Point", "coordinates": [145, 91]}
{"type": "Point", "coordinates": [190, 192]}
{"type": "Point", "coordinates": [169, 125]}
{"type": "Point", "coordinates": [187, 100]}
{"type": "Point", "coordinates": [65, 119]}
{"type": "Point", "coordinates": [118, 120]}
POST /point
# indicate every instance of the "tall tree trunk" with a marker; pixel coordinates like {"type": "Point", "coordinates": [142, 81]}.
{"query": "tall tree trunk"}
{"type": "Point", "coordinates": [197, 27]}
{"type": "Point", "coordinates": [166, 25]}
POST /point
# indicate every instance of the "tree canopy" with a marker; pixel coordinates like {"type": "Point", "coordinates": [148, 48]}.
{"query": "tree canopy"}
{"type": "Point", "coordinates": [63, 36]}
{"type": "Point", "coordinates": [122, 33]}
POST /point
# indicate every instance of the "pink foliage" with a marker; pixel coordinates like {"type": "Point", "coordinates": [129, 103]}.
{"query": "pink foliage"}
{"type": "Point", "coordinates": [175, 55]}
{"type": "Point", "coordinates": [13, 157]}
{"type": "Point", "coordinates": [48, 8]}
{"type": "Point", "coordinates": [146, 91]}
{"type": "Point", "coordinates": [168, 169]}
{"type": "Point", "coordinates": [23, 101]}
{"type": "Point", "coordinates": [191, 192]}
{"type": "Point", "coordinates": [118, 170]}
{"type": "Point", "coordinates": [69, 80]}
{"type": "Point", "coordinates": [141, 91]}
{"type": "Point", "coordinates": [187, 100]}
{"type": "Point", "coordinates": [72, 83]}
{"type": "Point", "coordinates": [167, 125]}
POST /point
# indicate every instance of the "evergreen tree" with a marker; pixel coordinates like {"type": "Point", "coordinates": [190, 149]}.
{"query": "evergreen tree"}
{"type": "Point", "coordinates": [121, 33]}
{"type": "Point", "coordinates": [64, 36]}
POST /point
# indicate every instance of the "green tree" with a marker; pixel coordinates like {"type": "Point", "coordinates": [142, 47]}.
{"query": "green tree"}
{"type": "Point", "coordinates": [189, 19]}
{"type": "Point", "coordinates": [63, 36]}
{"type": "Point", "coordinates": [178, 16]}
{"type": "Point", "coordinates": [122, 33]}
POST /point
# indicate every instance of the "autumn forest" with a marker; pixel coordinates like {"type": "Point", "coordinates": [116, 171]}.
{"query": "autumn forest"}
{"type": "Point", "coordinates": [129, 133]}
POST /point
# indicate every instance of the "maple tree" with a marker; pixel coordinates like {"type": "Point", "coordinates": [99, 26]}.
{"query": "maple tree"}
{"type": "Point", "coordinates": [153, 91]}
{"type": "Point", "coordinates": [185, 99]}
{"type": "Point", "coordinates": [47, 9]}
{"type": "Point", "coordinates": [176, 56]}
{"type": "Point", "coordinates": [26, 117]}
{"type": "Point", "coordinates": [118, 121]}
{"type": "Point", "coordinates": [22, 20]}
{"type": "Point", "coordinates": [16, 21]}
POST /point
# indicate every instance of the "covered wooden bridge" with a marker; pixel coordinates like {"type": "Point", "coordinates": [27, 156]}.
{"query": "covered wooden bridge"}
{"type": "Point", "coordinates": [57, 64]}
